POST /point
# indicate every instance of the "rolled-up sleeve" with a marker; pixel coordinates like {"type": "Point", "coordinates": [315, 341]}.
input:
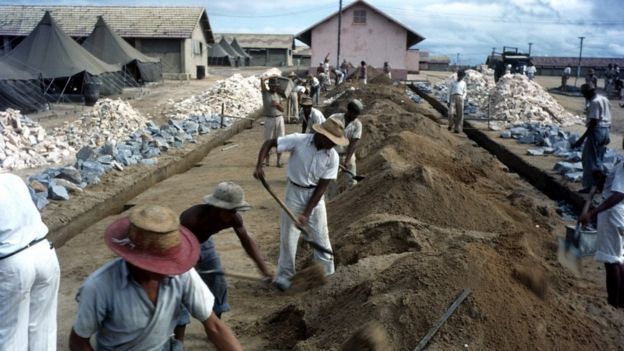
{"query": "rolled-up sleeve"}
{"type": "Point", "coordinates": [331, 172]}
{"type": "Point", "coordinates": [91, 311]}
{"type": "Point", "coordinates": [197, 298]}
{"type": "Point", "coordinates": [288, 142]}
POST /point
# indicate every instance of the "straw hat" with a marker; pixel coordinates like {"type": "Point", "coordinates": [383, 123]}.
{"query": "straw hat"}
{"type": "Point", "coordinates": [228, 196]}
{"type": "Point", "coordinates": [292, 75]}
{"type": "Point", "coordinates": [333, 129]}
{"type": "Point", "coordinates": [152, 239]}
{"type": "Point", "coordinates": [306, 101]}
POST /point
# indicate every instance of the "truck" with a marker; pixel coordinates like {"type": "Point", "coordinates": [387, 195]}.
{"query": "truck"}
{"type": "Point", "coordinates": [510, 56]}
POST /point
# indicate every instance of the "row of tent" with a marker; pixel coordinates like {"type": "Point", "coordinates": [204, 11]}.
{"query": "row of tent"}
{"type": "Point", "coordinates": [48, 65]}
{"type": "Point", "coordinates": [228, 54]}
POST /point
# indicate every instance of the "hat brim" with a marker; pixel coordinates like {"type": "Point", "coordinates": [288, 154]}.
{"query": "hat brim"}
{"type": "Point", "coordinates": [341, 141]}
{"type": "Point", "coordinates": [307, 104]}
{"type": "Point", "coordinates": [241, 206]}
{"type": "Point", "coordinates": [175, 261]}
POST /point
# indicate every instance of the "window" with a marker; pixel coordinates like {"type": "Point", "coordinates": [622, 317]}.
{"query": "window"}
{"type": "Point", "coordinates": [198, 47]}
{"type": "Point", "coordinates": [359, 16]}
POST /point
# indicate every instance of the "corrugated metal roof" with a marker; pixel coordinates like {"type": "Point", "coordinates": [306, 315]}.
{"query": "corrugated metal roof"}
{"type": "Point", "coordinates": [553, 61]}
{"type": "Point", "coordinates": [259, 41]}
{"type": "Point", "coordinates": [129, 22]}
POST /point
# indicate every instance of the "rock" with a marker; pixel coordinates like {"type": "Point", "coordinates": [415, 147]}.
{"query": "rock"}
{"type": "Point", "coordinates": [40, 199]}
{"type": "Point", "coordinates": [85, 153]}
{"type": "Point", "coordinates": [57, 192]}
{"type": "Point", "coordinates": [536, 152]}
{"type": "Point", "coordinates": [108, 149]}
{"type": "Point", "coordinates": [38, 187]}
{"type": "Point", "coordinates": [149, 161]}
{"type": "Point", "coordinates": [73, 188]}
{"type": "Point", "coordinates": [106, 159]}
{"type": "Point", "coordinates": [71, 174]}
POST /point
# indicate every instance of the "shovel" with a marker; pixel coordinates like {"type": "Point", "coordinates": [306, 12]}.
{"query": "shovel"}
{"type": "Point", "coordinates": [356, 177]}
{"type": "Point", "coordinates": [569, 253]}
{"type": "Point", "coordinates": [234, 275]}
{"type": "Point", "coordinates": [294, 219]}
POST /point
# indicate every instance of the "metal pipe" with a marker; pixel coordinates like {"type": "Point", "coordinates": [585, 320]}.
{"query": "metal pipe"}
{"type": "Point", "coordinates": [578, 68]}
{"type": "Point", "coordinates": [339, 27]}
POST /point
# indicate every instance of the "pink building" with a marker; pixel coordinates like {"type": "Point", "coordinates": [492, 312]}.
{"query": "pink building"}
{"type": "Point", "coordinates": [366, 34]}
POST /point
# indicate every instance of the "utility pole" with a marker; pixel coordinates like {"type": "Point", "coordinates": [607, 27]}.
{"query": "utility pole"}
{"type": "Point", "coordinates": [457, 61]}
{"type": "Point", "coordinates": [530, 45]}
{"type": "Point", "coordinates": [578, 68]}
{"type": "Point", "coordinates": [339, 27]}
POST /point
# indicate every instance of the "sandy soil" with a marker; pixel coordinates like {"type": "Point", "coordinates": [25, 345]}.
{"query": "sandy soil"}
{"type": "Point", "coordinates": [435, 215]}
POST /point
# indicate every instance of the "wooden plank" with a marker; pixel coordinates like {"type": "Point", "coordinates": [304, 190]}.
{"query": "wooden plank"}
{"type": "Point", "coordinates": [425, 340]}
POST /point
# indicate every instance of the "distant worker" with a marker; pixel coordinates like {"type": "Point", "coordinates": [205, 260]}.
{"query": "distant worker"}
{"type": "Point", "coordinates": [309, 116]}
{"type": "Point", "coordinates": [133, 302]}
{"type": "Point", "coordinates": [326, 64]}
{"type": "Point", "coordinates": [387, 70]}
{"type": "Point", "coordinates": [344, 67]}
{"type": "Point", "coordinates": [292, 102]}
{"type": "Point", "coordinates": [565, 75]}
{"type": "Point", "coordinates": [219, 211]}
{"type": "Point", "coordinates": [531, 70]}
{"type": "Point", "coordinates": [609, 82]}
{"type": "Point", "coordinates": [29, 272]}
{"type": "Point", "coordinates": [591, 78]}
{"type": "Point", "coordinates": [339, 75]}
{"type": "Point", "coordinates": [455, 102]}
{"type": "Point", "coordinates": [353, 133]}
{"type": "Point", "coordinates": [596, 137]}
{"type": "Point", "coordinates": [508, 69]}
{"type": "Point", "coordinates": [313, 165]}
{"type": "Point", "coordinates": [315, 89]}
{"type": "Point", "coordinates": [609, 241]}
{"type": "Point", "coordinates": [363, 73]}
{"type": "Point", "coordinates": [273, 109]}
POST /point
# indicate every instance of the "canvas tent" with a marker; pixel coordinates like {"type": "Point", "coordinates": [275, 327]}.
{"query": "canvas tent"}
{"type": "Point", "coordinates": [240, 50]}
{"type": "Point", "coordinates": [65, 66]}
{"type": "Point", "coordinates": [219, 57]}
{"type": "Point", "coordinates": [238, 58]}
{"type": "Point", "coordinates": [109, 47]}
{"type": "Point", "coordinates": [20, 88]}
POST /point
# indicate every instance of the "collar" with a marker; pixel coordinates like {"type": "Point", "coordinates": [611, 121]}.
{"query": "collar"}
{"type": "Point", "coordinates": [126, 278]}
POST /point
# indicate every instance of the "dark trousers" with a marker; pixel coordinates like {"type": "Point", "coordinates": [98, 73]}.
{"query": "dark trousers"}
{"type": "Point", "coordinates": [615, 284]}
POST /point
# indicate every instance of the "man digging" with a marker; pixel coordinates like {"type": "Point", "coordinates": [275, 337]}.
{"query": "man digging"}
{"type": "Point", "coordinates": [273, 109]}
{"type": "Point", "coordinates": [313, 164]}
{"type": "Point", "coordinates": [219, 211]}
{"type": "Point", "coordinates": [133, 302]}
{"type": "Point", "coordinates": [353, 133]}
{"type": "Point", "coordinates": [309, 115]}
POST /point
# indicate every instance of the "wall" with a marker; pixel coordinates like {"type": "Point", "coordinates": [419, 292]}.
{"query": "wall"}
{"type": "Point", "coordinates": [190, 59]}
{"type": "Point", "coordinates": [270, 57]}
{"type": "Point", "coordinates": [412, 61]}
{"type": "Point", "coordinates": [376, 41]}
{"type": "Point", "coordinates": [167, 49]}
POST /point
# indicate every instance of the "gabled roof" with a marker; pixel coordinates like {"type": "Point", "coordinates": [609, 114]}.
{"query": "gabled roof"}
{"type": "Point", "coordinates": [226, 46]}
{"type": "Point", "coordinates": [260, 41]}
{"type": "Point", "coordinates": [215, 50]}
{"type": "Point", "coordinates": [238, 48]}
{"type": "Point", "coordinates": [110, 47]}
{"type": "Point", "coordinates": [128, 22]}
{"type": "Point", "coordinates": [49, 50]}
{"type": "Point", "coordinates": [412, 37]}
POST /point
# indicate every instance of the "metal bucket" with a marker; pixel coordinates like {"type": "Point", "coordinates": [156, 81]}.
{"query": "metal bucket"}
{"type": "Point", "coordinates": [585, 241]}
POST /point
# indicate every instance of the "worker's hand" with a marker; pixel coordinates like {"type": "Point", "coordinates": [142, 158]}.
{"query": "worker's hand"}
{"type": "Point", "coordinates": [275, 103]}
{"type": "Point", "coordinates": [259, 172]}
{"type": "Point", "coordinates": [268, 277]}
{"type": "Point", "coordinates": [303, 219]}
{"type": "Point", "coordinates": [586, 217]}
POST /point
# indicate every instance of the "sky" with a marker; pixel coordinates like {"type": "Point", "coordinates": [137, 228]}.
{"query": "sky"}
{"type": "Point", "coordinates": [470, 28]}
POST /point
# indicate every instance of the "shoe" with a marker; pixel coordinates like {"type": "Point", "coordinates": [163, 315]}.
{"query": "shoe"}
{"type": "Point", "coordinates": [281, 284]}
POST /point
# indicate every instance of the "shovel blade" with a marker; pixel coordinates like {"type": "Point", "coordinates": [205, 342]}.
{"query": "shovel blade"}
{"type": "Point", "coordinates": [569, 256]}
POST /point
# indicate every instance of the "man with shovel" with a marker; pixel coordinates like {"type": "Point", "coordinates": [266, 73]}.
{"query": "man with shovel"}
{"type": "Point", "coordinates": [353, 132]}
{"type": "Point", "coordinates": [309, 115]}
{"type": "Point", "coordinates": [313, 164]}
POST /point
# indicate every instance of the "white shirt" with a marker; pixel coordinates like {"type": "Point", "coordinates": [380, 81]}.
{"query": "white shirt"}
{"type": "Point", "coordinates": [316, 117]}
{"type": "Point", "coordinates": [531, 70]}
{"type": "Point", "coordinates": [315, 81]}
{"type": "Point", "coordinates": [609, 241]}
{"type": "Point", "coordinates": [307, 164]}
{"type": "Point", "coordinates": [20, 221]}
{"type": "Point", "coordinates": [267, 103]}
{"type": "Point", "coordinates": [352, 131]}
{"type": "Point", "coordinates": [458, 88]}
{"type": "Point", "coordinates": [567, 71]}
{"type": "Point", "coordinates": [598, 108]}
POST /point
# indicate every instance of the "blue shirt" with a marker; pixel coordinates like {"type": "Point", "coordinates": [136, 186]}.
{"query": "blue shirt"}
{"type": "Point", "coordinates": [116, 308]}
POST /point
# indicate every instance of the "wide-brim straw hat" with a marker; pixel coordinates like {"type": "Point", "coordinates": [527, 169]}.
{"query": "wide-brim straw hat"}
{"type": "Point", "coordinates": [307, 101]}
{"type": "Point", "coordinates": [333, 129]}
{"type": "Point", "coordinates": [152, 239]}
{"type": "Point", "coordinates": [228, 196]}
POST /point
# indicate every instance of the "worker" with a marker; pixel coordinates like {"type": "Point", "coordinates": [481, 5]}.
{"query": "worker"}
{"type": "Point", "coordinates": [565, 75]}
{"type": "Point", "coordinates": [344, 67]}
{"type": "Point", "coordinates": [363, 73]}
{"type": "Point", "coordinates": [591, 78]}
{"type": "Point", "coordinates": [387, 70]}
{"type": "Point", "coordinates": [326, 64]}
{"type": "Point", "coordinates": [596, 136]}
{"type": "Point", "coordinates": [133, 302]}
{"type": "Point", "coordinates": [455, 102]}
{"type": "Point", "coordinates": [309, 116]}
{"type": "Point", "coordinates": [273, 109]}
{"type": "Point", "coordinates": [531, 70]}
{"type": "Point", "coordinates": [610, 76]}
{"type": "Point", "coordinates": [508, 69]}
{"type": "Point", "coordinates": [219, 211]}
{"type": "Point", "coordinates": [313, 164]}
{"type": "Point", "coordinates": [293, 99]}
{"type": "Point", "coordinates": [339, 75]}
{"type": "Point", "coordinates": [609, 243]}
{"type": "Point", "coordinates": [353, 133]}
{"type": "Point", "coordinates": [29, 272]}
{"type": "Point", "coordinates": [315, 89]}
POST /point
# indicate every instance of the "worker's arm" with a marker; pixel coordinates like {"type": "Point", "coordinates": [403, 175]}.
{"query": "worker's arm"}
{"type": "Point", "coordinates": [264, 152]}
{"type": "Point", "coordinates": [262, 84]}
{"type": "Point", "coordinates": [220, 334]}
{"type": "Point", "coordinates": [78, 343]}
{"type": "Point", "coordinates": [278, 106]}
{"type": "Point", "coordinates": [314, 200]}
{"type": "Point", "coordinates": [590, 127]}
{"type": "Point", "coordinates": [351, 149]}
{"type": "Point", "coordinates": [250, 247]}
{"type": "Point", "coordinates": [304, 126]}
{"type": "Point", "coordinates": [613, 200]}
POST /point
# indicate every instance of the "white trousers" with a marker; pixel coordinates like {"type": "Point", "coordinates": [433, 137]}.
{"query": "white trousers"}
{"type": "Point", "coordinates": [351, 166]}
{"type": "Point", "coordinates": [29, 282]}
{"type": "Point", "coordinates": [296, 200]}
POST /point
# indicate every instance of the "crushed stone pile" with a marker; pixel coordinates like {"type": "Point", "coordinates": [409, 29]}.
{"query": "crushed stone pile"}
{"type": "Point", "coordinates": [440, 216]}
{"type": "Point", "coordinates": [25, 144]}
{"type": "Point", "coordinates": [108, 121]}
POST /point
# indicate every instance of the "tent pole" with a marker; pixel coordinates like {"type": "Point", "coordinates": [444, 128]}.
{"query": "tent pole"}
{"type": "Point", "coordinates": [63, 92]}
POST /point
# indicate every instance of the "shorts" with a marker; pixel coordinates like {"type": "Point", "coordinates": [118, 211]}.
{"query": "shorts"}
{"type": "Point", "coordinates": [273, 127]}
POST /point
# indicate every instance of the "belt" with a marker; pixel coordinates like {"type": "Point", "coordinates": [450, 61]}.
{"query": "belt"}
{"type": "Point", "coordinates": [32, 243]}
{"type": "Point", "coordinates": [301, 186]}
